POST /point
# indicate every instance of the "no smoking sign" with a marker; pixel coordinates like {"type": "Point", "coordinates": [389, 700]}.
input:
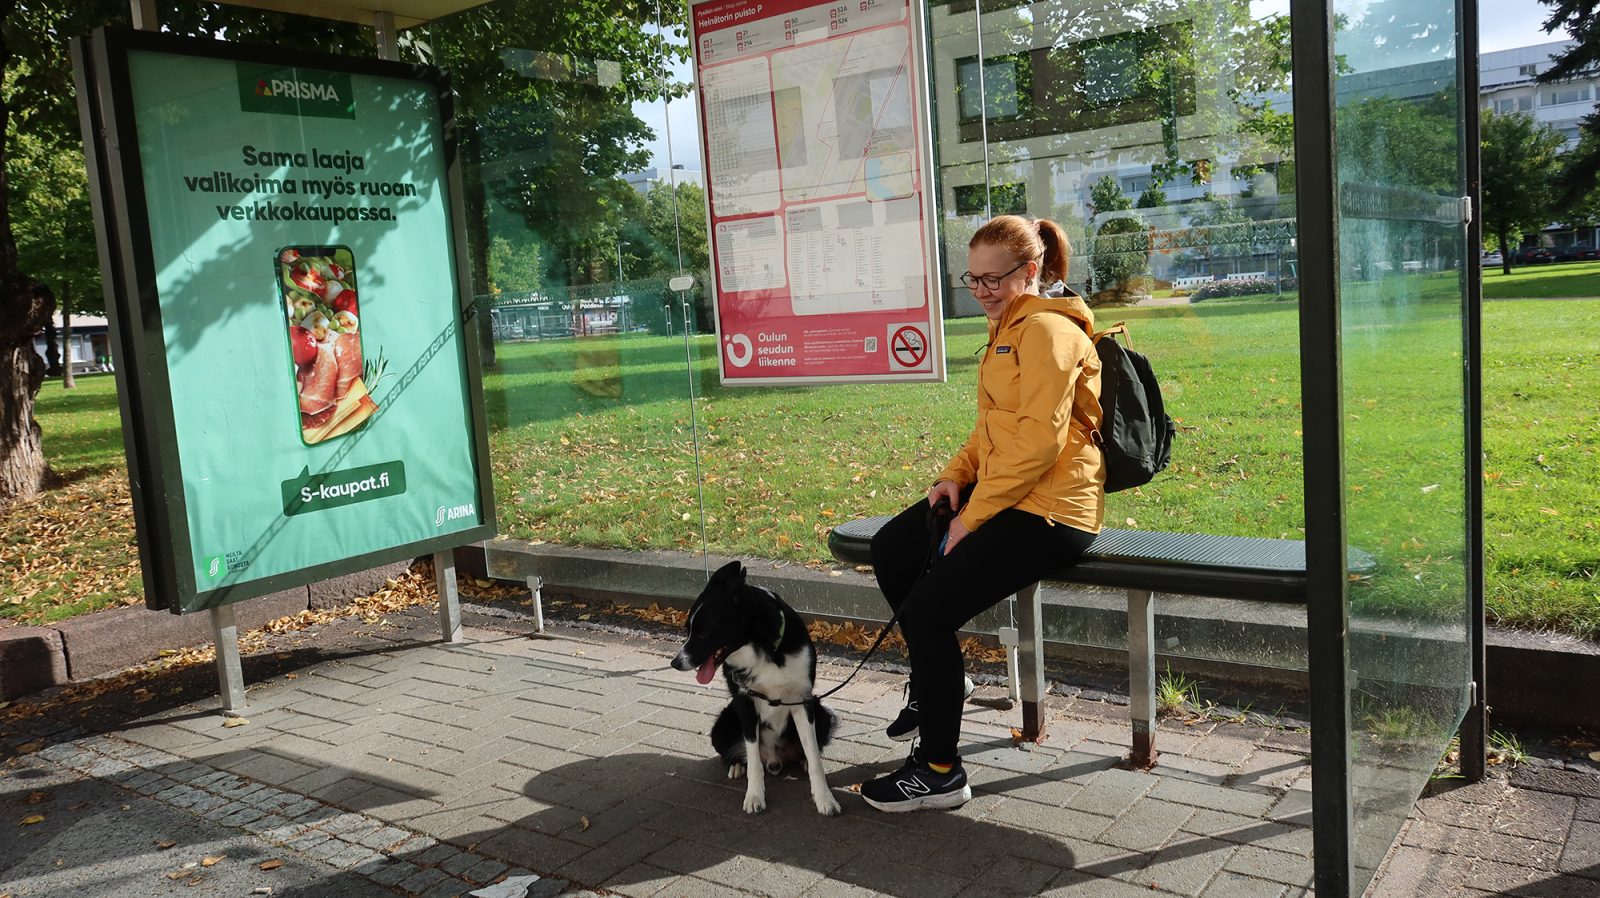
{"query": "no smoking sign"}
{"type": "Point", "coordinates": [908, 348]}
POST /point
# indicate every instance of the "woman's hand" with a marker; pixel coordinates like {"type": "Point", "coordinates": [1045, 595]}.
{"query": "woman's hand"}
{"type": "Point", "coordinates": [949, 490]}
{"type": "Point", "coordinates": [958, 532]}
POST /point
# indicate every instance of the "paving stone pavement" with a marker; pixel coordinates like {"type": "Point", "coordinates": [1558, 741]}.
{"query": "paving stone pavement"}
{"type": "Point", "coordinates": [580, 756]}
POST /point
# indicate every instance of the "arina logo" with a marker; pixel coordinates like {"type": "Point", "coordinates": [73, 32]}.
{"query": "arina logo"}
{"type": "Point", "coordinates": [453, 514]}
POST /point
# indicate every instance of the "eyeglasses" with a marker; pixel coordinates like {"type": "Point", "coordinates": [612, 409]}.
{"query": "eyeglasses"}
{"type": "Point", "coordinates": [989, 281]}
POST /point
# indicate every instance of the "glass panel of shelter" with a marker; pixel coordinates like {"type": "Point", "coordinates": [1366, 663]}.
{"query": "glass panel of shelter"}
{"type": "Point", "coordinates": [1402, 283]}
{"type": "Point", "coordinates": [1159, 136]}
{"type": "Point", "coordinates": [574, 233]}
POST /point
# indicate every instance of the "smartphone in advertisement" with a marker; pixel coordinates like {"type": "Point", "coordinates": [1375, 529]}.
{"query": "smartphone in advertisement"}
{"type": "Point", "coordinates": [317, 286]}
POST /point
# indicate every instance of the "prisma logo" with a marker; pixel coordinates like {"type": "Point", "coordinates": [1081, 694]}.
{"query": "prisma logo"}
{"type": "Point", "coordinates": [298, 90]}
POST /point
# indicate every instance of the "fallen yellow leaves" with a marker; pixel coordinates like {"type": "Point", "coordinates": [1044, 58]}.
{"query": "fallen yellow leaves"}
{"type": "Point", "coordinates": [212, 860]}
{"type": "Point", "coordinates": [69, 546]}
{"type": "Point", "coordinates": [269, 865]}
{"type": "Point", "coordinates": [32, 819]}
{"type": "Point", "coordinates": [232, 722]}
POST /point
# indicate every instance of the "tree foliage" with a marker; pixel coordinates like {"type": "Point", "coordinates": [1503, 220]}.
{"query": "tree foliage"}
{"type": "Point", "coordinates": [1520, 161]}
{"type": "Point", "coordinates": [1580, 198]}
{"type": "Point", "coordinates": [513, 268]}
{"type": "Point", "coordinates": [1581, 19]}
{"type": "Point", "coordinates": [548, 131]}
{"type": "Point", "coordinates": [1113, 271]}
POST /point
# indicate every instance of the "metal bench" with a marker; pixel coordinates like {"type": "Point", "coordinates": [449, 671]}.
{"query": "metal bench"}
{"type": "Point", "coordinates": [1143, 563]}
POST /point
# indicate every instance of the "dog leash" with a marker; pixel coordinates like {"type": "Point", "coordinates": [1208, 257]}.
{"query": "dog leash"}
{"type": "Point", "coordinates": [939, 516]}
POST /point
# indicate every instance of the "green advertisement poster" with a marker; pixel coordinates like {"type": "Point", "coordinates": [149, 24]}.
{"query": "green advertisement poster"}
{"type": "Point", "coordinates": [310, 324]}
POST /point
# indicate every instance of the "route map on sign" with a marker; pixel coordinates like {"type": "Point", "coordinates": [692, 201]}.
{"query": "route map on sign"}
{"type": "Point", "coordinates": [813, 121]}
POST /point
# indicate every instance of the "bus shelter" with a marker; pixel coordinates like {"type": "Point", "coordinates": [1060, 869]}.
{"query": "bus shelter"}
{"type": "Point", "coordinates": [1288, 189]}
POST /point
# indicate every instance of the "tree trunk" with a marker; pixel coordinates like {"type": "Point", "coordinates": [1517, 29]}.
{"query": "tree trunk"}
{"type": "Point", "coordinates": [24, 312]}
{"type": "Point", "coordinates": [67, 381]}
{"type": "Point", "coordinates": [1505, 253]}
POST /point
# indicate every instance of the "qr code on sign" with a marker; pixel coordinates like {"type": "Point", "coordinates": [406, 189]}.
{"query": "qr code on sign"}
{"type": "Point", "coordinates": [870, 344]}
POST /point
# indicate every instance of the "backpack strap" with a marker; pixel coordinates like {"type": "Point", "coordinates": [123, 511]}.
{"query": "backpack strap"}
{"type": "Point", "coordinates": [1120, 327]}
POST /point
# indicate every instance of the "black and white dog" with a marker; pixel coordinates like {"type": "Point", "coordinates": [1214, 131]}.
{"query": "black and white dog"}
{"type": "Point", "coordinates": [766, 655]}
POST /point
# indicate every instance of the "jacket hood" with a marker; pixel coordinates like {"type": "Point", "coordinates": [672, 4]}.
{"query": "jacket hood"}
{"type": "Point", "coordinates": [1062, 301]}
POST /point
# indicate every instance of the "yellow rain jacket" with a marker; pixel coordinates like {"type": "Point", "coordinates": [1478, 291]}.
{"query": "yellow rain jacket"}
{"type": "Point", "coordinates": [1038, 399]}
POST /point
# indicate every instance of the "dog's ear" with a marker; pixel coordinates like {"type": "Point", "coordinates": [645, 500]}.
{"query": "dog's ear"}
{"type": "Point", "coordinates": [730, 575]}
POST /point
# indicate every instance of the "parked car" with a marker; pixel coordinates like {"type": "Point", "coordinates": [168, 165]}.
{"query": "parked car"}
{"type": "Point", "coordinates": [1579, 252]}
{"type": "Point", "coordinates": [1534, 255]}
{"type": "Point", "coordinates": [1491, 258]}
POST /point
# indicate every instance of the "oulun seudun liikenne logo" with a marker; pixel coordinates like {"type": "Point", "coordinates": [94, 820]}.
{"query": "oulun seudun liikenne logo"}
{"type": "Point", "coordinates": [287, 90]}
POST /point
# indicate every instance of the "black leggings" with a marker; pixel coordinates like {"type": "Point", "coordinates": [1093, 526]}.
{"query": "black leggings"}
{"type": "Point", "coordinates": [1011, 550]}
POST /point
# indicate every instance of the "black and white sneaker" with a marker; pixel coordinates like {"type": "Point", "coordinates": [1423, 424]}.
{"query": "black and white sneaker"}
{"type": "Point", "coordinates": [915, 786]}
{"type": "Point", "coordinates": [905, 725]}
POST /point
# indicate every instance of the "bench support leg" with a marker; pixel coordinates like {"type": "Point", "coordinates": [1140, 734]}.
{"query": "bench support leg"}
{"type": "Point", "coordinates": [1030, 661]}
{"type": "Point", "coordinates": [1142, 677]}
{"type": "Point", "coordinates": [1010, 641]}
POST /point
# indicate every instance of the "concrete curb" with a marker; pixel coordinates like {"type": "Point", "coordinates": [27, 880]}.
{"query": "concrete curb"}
{"type": "Point", "coordinates": [81, 648]}
{"type": "Point", "coordinates": [1529, 675]}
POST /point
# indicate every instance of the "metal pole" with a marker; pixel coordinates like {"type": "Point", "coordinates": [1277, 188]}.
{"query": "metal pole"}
{"type": "Point", "coordinates": [536, 586]}
{"type": "Point", "coordinates": [1327, 600]}
{"type": "Point", "coordinates": [983, 108]}
{"type": "Point", "coordinates": [1475, 728]}
{"type": "Point", "coordinates": [230, 673]}
{"type": "Point", "coordinates": [1030, 661]}
{"type": "Point", "coordinates": [444, 575]}
{"type": "Point", "coordinates": [387, 35]}
{"type": "Point", "coordinates": [144, 15]}
{"type": "Point", "coordinates": [1142, 677]}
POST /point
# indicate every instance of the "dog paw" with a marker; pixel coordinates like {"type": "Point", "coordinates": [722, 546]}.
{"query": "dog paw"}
{"type": "Point", "coordinates": [755, 804]}
{"type": "Point", "coordinates": [827, 805]}
{"type": "Point", "coordinates": [736, 770]}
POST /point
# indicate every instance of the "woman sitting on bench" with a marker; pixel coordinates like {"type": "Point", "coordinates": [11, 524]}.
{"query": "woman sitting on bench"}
{"type": "Point", "coordinates": [1027, 490]}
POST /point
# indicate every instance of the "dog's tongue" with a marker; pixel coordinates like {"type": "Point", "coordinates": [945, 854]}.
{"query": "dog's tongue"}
{"type": "Point", "coordinates": [706, 671]}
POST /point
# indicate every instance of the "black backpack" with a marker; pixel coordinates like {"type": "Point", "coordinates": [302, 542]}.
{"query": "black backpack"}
{"type": "Point", "coordinates": [1135, 433]}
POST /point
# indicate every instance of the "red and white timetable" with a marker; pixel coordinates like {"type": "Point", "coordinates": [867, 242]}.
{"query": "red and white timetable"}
{"type": "Point", "coordinates": [814, 137]}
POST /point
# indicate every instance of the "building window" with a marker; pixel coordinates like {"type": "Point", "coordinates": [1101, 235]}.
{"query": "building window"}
{"type": "Point", "coordinates": [1007, 199]}
{"type": "Point", "coordinates": [1006, 81]}
{"type": "Point", "coordinates": [1111, 69]}
{"type": "Point", "coordinates": [1528, 70]}
{"type": "Point", "coordinates": [1508, 105]}
{"type": "Point", "coordinates": [1563, 95]}
{"type": "Point", "coordinates": [1136, 185]}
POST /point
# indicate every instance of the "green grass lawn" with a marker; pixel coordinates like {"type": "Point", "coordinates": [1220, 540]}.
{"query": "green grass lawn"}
{"type": "Point", "coordinates": [1565, 280]}
{"type": "Point", "coordinates": [594, 442]}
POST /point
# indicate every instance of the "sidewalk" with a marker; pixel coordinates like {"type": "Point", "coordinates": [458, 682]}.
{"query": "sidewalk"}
{"type": "Point", "coordinates": [387, 766]}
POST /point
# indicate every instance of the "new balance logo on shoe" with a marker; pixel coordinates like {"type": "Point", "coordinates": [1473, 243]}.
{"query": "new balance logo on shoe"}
{"type": "Point", "coordinates": [911, 787]}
